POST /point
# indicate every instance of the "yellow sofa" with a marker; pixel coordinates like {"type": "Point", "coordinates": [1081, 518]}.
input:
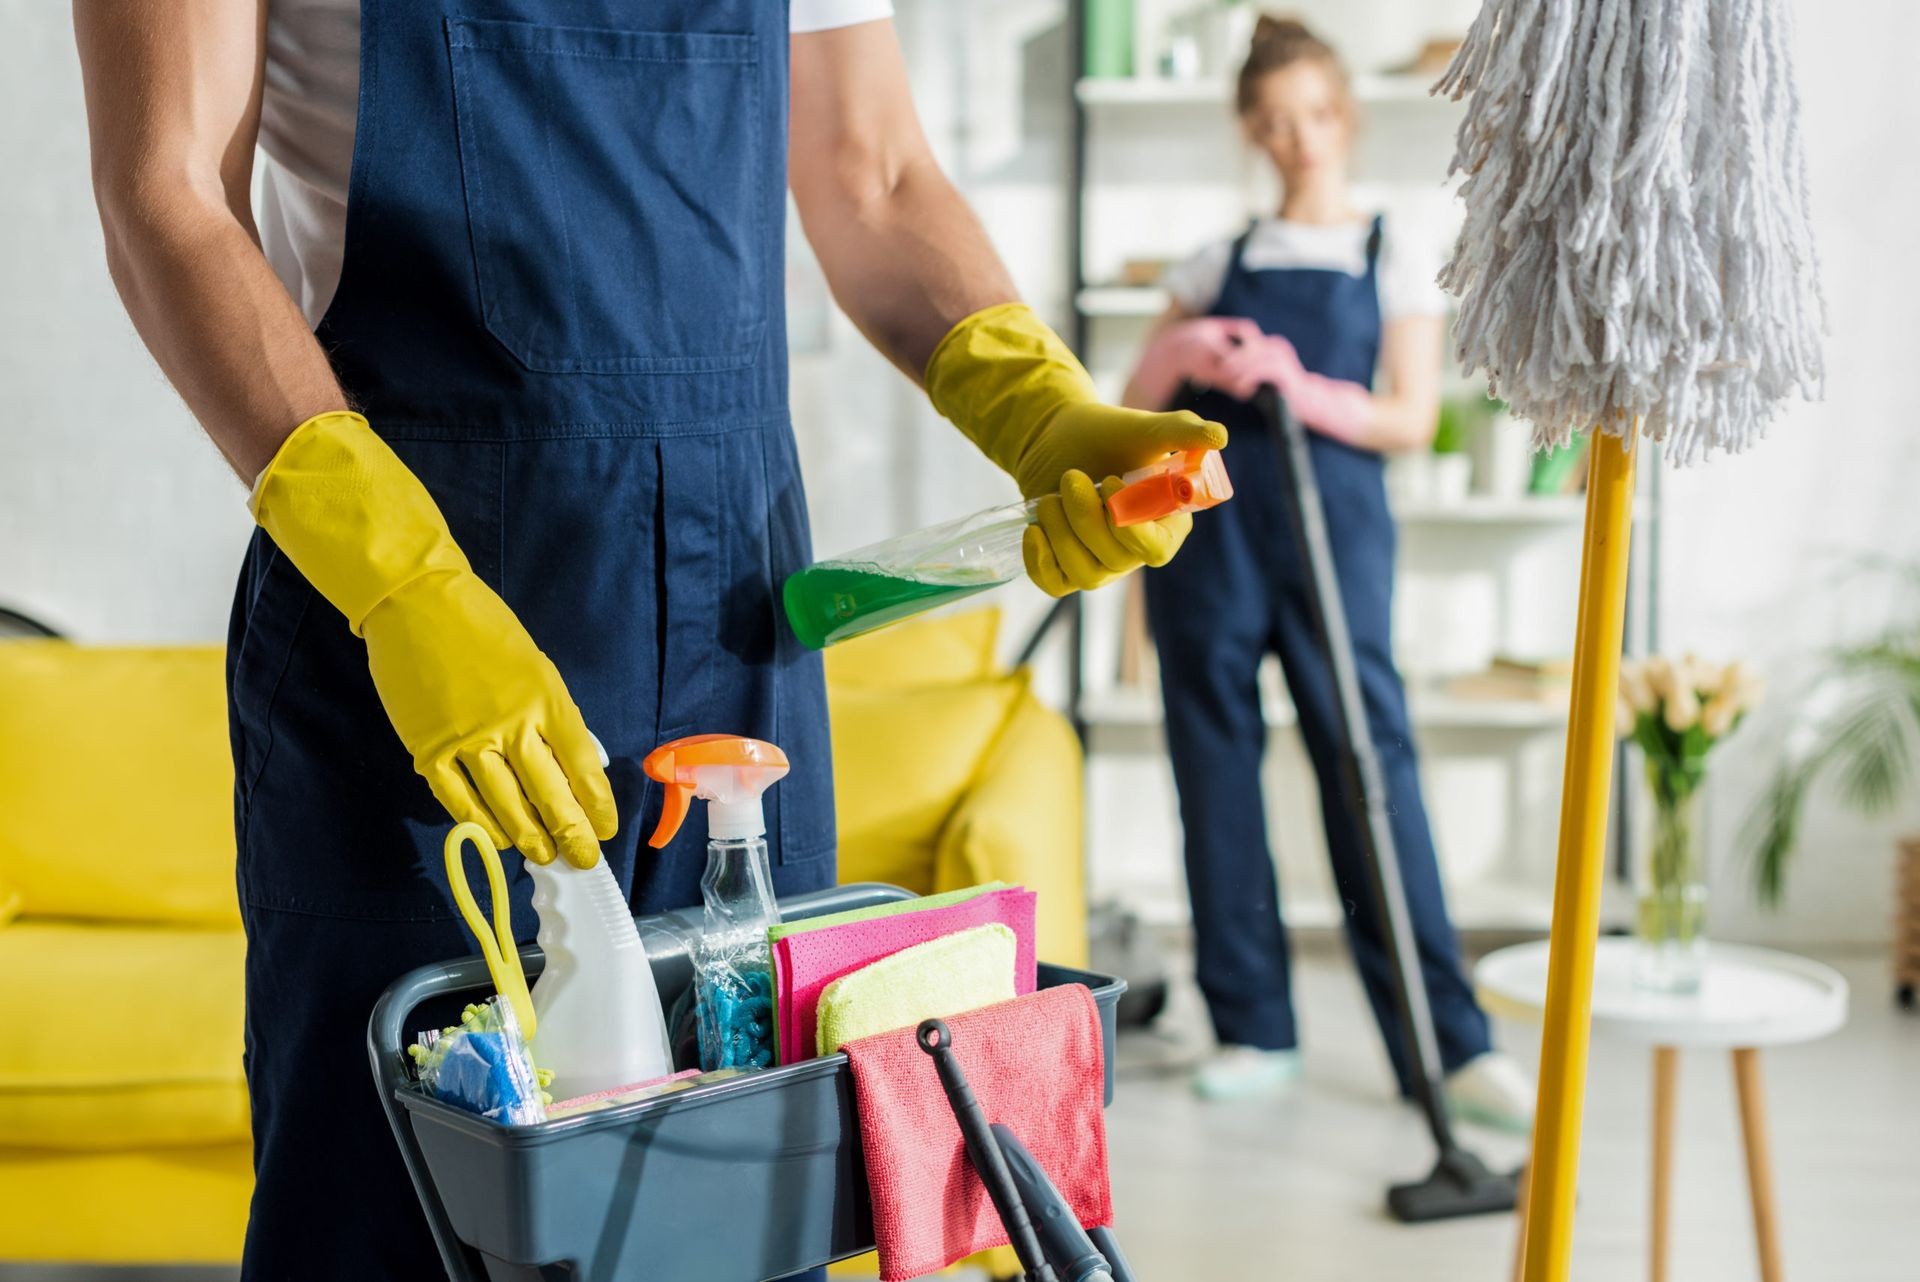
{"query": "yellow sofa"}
{"type": "Point", "coordinates": [123, 1110]}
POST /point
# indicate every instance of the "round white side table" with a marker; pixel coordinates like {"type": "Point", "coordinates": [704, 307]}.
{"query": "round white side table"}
{"type": "Point", "coordinates": [1748, 999]}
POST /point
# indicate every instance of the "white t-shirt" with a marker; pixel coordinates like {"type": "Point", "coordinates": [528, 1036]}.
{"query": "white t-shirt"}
{"type": "Point", "coordinates": [308, 107]}
{"type": "Point", "coordinates": [1407, 265]}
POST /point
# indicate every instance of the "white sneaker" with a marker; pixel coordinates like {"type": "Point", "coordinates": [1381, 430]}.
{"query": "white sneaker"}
{"type": "Point", "coordinates": [1245, 1072]}
{"type": "Point", "coordinates": [1493, 1090]}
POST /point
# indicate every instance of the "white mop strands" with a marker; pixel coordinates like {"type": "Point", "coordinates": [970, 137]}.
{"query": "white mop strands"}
{"type": "Point", "coordinates": [1637, 239]}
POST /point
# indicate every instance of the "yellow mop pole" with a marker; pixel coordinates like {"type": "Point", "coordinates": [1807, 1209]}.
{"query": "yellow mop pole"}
{"type": "Point", "coordinates": [1554, 1170]}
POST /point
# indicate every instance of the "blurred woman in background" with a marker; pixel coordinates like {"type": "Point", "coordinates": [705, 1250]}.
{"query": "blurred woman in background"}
{"type": "Point", "coordinates": [1312, 301]}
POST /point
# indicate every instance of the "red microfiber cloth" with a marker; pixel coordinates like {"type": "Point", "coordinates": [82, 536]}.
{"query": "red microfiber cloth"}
{"type": "Point", "coordinates": [1037, 1066]}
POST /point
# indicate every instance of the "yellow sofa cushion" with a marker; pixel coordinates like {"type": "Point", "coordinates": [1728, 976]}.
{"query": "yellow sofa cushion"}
{"type": "Point", "coordinates": [943, 650]}
{"type": "Point", "coordinates": [1021, 822]}
{"type": "Point", "coordinates": [120, 1036]}
{"type": "Point", "coordinates": [141, 1206]}
{"type": "Point", "coordinates": [902, 759]}
{"type": "Point", "coordinates": [116, 782]}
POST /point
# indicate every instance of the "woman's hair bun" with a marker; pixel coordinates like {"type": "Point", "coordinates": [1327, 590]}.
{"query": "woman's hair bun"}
{"type": "Point", "coordinates": [1279, 43]}
{"type": "Point", "coordinates": [1269, 31]}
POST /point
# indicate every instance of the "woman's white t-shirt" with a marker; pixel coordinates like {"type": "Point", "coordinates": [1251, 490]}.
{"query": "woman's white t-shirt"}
{"type": "Point", "coordinates": [308, 107]}
{"type": "Point", "coordinates": [1407, 265]}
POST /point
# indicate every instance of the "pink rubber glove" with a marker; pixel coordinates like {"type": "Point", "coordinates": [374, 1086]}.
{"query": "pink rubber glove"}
{"type": "Point", "coordinates": [1189, 351]}
{"type": "Point", "coordinates": [1330, 406]}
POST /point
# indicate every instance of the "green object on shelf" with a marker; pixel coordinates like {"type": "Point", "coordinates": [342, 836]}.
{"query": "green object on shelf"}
{"type": "Point", "coordinates": [1450, 432]}
{"type": "Point", "coordinates": [1108, 51]}
{"type": "Point", "coordinates": [1551, 468]}
{"type": "Point", "coordinates": [832, 601]}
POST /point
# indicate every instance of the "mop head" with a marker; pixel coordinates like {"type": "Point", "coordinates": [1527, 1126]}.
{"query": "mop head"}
{"type": "Point", "coordinates": [1636, 241]}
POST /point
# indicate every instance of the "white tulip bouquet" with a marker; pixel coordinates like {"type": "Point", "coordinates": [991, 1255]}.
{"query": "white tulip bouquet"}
{"type": "Point", "coordinates": [1679, 708]}
{"type": "Point", "coordinates": [1676, 710]}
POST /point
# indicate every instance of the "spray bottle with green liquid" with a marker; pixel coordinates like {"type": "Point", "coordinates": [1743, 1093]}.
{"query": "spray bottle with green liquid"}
{"type": "Point", "coordinates": [871, 587]}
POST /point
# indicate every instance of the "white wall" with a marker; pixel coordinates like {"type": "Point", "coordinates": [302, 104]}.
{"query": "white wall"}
{"type": "Point", "coordinates": [1755, 544]}
{"type": "Point", "coordinates": [117, 521]}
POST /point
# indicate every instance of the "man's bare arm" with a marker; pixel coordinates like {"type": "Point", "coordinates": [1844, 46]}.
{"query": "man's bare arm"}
{"type": "Point", "coordinates": [173, 108]}
{"type": "Point", "coordinates": [903, 253]}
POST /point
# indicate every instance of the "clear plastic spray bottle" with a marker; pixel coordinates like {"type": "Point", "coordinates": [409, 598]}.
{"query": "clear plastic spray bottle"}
{"type": "Point", "coordinates": [733, 968]}
{"type": "Point", "coordinates": [886, 582]}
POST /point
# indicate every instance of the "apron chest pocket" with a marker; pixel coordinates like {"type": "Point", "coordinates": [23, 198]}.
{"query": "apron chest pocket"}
{"type": "Point", "coordinates": [614, 184]}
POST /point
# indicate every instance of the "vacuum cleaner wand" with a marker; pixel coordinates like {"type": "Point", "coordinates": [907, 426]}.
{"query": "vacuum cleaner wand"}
{"type": "Point", "coordinates": [984, 1151]}
{"type": "Point", "coordinates": [1068, 1248]}
{"type": "Point", "coordinates": [1460, 1183]}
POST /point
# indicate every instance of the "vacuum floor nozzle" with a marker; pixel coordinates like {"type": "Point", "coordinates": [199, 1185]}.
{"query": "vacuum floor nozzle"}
{"type": "Point", "coordinates": [1460, 1184]}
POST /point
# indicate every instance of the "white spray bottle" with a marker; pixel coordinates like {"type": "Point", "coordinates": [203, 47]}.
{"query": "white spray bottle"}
{"type": "Point", "coordinates": [600, 1022]}
{"type": "Point", "coordinates": [733, 968]}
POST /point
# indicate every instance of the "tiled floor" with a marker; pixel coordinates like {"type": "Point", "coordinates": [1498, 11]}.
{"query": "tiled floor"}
{"type": "Point", "coordinates": [1290, 1189]}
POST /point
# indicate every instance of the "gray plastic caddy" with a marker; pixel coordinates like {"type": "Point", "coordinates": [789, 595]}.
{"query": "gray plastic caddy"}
{"type": "Point", "coordinates": [742, 1180]}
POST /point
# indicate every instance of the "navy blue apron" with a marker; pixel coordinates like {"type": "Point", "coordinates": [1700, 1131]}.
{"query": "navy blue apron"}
{"type": "Point", "coordinates": [1237, 592]}
{"type": "Point", "coordinates": [562, 305]}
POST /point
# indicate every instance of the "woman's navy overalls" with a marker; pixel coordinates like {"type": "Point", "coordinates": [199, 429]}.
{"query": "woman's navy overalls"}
{"type": "Point", "coordinates": [1237, 591]}
{"type": "Point", "coordinates": [562, 305]}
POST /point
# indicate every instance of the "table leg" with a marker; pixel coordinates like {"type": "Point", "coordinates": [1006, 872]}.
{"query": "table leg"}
{"type": "Point", "coordinates": [1666, 1078]}
{"type": "Point", "coordinates": [1753, 1125]}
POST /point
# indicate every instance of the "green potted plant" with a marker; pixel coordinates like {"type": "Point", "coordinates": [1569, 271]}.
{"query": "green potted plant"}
{"type": "Point", "coordinates": [1450, 471]}
{"type": "Point", "coordinates": [1675, 711]}
{"type": "Point", "coordinates": [1858, 730]}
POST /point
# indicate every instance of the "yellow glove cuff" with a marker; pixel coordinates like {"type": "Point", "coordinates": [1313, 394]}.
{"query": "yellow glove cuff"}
{"type": "Point", "coordinates": [999, 376]}
{"type": "Point", "coordinates": [346, 511]}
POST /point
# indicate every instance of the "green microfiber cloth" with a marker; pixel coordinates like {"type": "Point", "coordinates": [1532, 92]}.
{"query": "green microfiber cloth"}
{"type": "Point", "coordinates": [947, 976]}
{"type": "Point", "coordinates": [888, 909]}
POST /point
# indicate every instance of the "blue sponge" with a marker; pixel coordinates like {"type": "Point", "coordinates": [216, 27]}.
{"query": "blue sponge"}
{"type": "Point", "coordinates": [483, 1066]}
{"type": "Point", "coordinates": [735, 1018]}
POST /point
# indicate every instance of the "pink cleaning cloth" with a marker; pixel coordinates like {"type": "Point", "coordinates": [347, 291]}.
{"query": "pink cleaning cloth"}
{"type": "Point", "coordinates": [578, 1102]}
{"type": "Point", "coordinates": [1037, 1067]}
{"type": "Point", "coordinates": [805, 963]}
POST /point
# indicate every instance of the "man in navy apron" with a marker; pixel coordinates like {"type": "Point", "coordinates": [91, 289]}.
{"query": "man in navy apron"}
{"type": "Point", "coordinates": [525, 468]}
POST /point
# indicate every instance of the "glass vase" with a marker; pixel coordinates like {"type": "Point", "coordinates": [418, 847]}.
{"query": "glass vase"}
{"type": "Point", "coordinates": [1671, 917]}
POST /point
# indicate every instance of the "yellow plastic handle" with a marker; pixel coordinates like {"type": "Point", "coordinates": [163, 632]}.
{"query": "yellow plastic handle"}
{"type": "Point", "coordinates": [496, 944]}
{"type": "Point", "coordinates": [1567, 1026]}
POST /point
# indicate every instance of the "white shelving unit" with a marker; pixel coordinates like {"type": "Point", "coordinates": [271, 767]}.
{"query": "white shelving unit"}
{"type": "Point", "coordinates": [1481, 509]}
{"type": "Point", "coordinates": [1155, 169]}
{"type": "Point", "coordinates": [1481, 906]}
{"type": "Point", "coordinates": [1143, 302]}
{"type": "Point", "coordinates": [1125, 709]}
{"type": "Point", "coordinates": [1161, 91]}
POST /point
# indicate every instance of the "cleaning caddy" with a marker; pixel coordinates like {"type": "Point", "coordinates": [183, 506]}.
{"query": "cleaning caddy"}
{"type": "Point", "coordinates": [748, 1176]}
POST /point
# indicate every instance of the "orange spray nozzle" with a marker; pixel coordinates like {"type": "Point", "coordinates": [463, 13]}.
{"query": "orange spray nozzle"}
{"type": "Point", "coordinates": [728, 770]}
{"type": "Point", "coordinates": [1189, 481]}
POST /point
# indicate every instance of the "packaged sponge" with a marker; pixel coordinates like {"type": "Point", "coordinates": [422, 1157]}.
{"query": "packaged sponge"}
{"type": "Point", "coordinates": [483, 1065]}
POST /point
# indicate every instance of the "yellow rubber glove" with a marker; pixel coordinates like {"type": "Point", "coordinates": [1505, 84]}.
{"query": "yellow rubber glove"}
{"type": "Point", "coordinates": [1010, 384]}
{"type": "Point", "coordinates": [484, 713]}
